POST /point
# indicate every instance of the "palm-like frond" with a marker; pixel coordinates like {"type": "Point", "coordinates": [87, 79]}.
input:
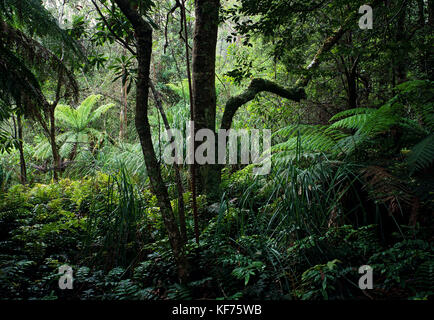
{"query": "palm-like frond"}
{"type": "Point", "coordinates": [43, 60]}
{"type": "Point", "coordinates": [411, 111]}
{"type": "Point", "coordinates": [84, 109]}
{"type": "Point", "coordinates": [355, 122]}
{"type": "Point", "coordinates": [94, 133]}
{"type": "Point", "coordinates": [30, 36]}
{"type": "Point", "coordinates": [413, 127]}
{"type": "Point", "coordinates": [32, 16]}
{"type": "Point", "coordinates": [370, 121]}
{"type": "Point", "coordinates": [420, 94]}
{"type": "Point", "coordinates": [68, 142]}
{"type": "Point", "coordinates": [422, 154]}
{"type": "Point", "coordinates": [43, 150]}
{"type": "Point", "coordinates": [80, 118]}
{"type": "Point", "coordinates": [99, 111]}
{"type": "Point", "coordinates": [16, 79]}
{"type": "Point", "coordinates": [7, 142]}
{"type": "Point", "coordinates": [67, 115]}
{"type": "Point", "coordinates": [351, 112]}
{"type": "Point", "coordinates": [308, 137]}
{"type": "Point", "coordinates": [77, 122]}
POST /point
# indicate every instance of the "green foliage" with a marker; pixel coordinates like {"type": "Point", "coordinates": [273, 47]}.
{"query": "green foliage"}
{"type": "Point", "coordinates": [78, 121]}
{"type": "Point", "coordinates": [118, 224]}
{"type": "Point", "coordinates": [32, 42]}
{"type": "Point", "coordinates": [36, 19]}
{"type": "Point", "coordinates": [422, 154]}
{"type": "Point", "coordinates": [7, 142]}
{"type": "Point", "coordinates": [399, 264]}
{"type": "Point", "coordinates": [125, 70]}
{"type": "Point", "coordinates": [97, 226]}
{"type": "Point", "coordinates": [77, 124]}
{"type": "Point", "coordinates": [351, 179]}
{"type": "Point", "coordinates": [323, 276]}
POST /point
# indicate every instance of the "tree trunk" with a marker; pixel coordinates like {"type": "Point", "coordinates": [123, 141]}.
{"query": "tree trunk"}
{"type": "Point", "coordinates": [54, 149]}
{"type": "Point", "coordinates": [143, 34]}
{"type": "Point", "coordinates": [203, 83]}
{"type": "Point", "coordinates": [23, 170]}
{"type": "Point", "coordinates": [123, 116]}
{"type": "Point", "coordinates": [351, 79]}
{"type": "Point", "coordinates": [193, 171]}
{"type": "Point", "coordinates": [180, 188]}
{"type": "Point", "coordinates": [352, 90]}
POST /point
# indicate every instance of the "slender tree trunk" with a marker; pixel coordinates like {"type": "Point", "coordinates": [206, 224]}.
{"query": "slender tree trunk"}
{"type": "Point", "coordinates": [54, 149]}
{"type": "Point", "coordinates": [125, 110]}
{"type": "Point", "coordinates": [352, 91]}
{"type": "Point", "coordinates": [351, 75]}
{"type": "Point", "coordinates": [23, 169]}
{"type": "Point", "coordinates": [193, 171]}
{"type": "Point", "coordinates": [144, 40]}
{"type": "Point", "coordinates": [143, 34]}
{"type": "Point", "coordinates": [180, 189]}
{"type": "Point", "coordinates": [124, 105]}
{"type": "Point", "coordinates": [123, 114]}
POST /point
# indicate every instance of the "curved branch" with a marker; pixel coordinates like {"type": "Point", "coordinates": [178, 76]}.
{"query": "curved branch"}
{"type": "Point", "coordinates": [329, 43]}
{"type": "Point", "coordinates": [255, 87]}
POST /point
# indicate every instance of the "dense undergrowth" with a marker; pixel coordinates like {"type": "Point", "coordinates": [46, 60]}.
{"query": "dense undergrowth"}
{"type": "Point", "coordinates": [351, 185]}
{"type": "Point", "coordinates": [111, 235]}
{"type": "Point", "coordinates": [338, 197]}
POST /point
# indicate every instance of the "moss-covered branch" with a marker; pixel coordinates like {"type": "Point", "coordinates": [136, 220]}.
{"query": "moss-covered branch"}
{"type": "Point", "coordinates": [329, 43]}
{"type": "Point", "coordinates": [255, 87]}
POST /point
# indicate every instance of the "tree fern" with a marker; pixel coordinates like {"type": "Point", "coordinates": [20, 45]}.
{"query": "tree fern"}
{"type": "Point", "coordinates": [35, 19]}
{"type": "Point", "coordinates": [78, 123]}
{"type": "Point", "coordinates": [30, 36]}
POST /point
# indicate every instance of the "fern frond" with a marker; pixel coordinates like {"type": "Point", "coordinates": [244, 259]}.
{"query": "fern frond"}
{"type": "Point", "coordinates": [67, 115]}
{"type": "Point", "coordinates": [34, 17]}
{"type": "Point", "coordinates": [66, 148]}
{"type": "Point", "coordinates": [85, 108]}
{"type": "Point", "coordinates": [355, 122]}
{"type": "Point", "coordinates": [413, 126]}
{"type": "Point", "coordinates": [351, 112]}
{"type": "Point", "coordinates": [99, 111]}
{"type": "Point", "coordinates": [42, 151]}
{"type": "Point", "coordinates": [422, 154]}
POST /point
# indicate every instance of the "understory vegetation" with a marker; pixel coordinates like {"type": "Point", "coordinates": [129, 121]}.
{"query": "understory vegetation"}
{"type": "Point", "coordinates": [89, 88]}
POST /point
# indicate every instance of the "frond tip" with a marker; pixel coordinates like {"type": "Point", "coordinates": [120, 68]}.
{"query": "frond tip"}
{"type": "Point", "coordinates": [422, 154]}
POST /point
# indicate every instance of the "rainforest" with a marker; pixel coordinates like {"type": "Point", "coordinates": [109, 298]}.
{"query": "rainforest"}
{"type": "Point", "coordinates": [213, 150]}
